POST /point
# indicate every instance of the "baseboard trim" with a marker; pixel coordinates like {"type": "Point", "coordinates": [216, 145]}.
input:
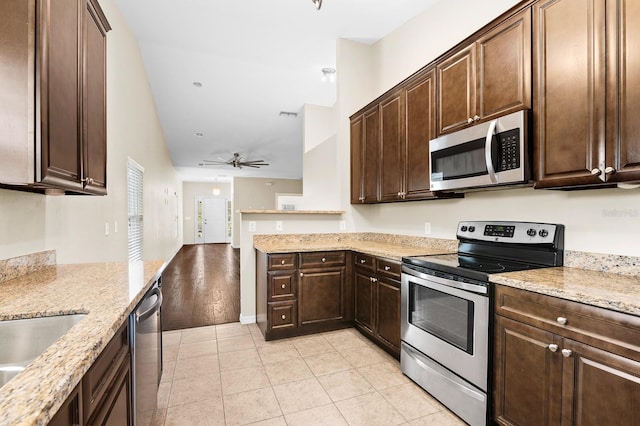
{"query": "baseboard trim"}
{"type": "Point", "coordinates": [247, 319]}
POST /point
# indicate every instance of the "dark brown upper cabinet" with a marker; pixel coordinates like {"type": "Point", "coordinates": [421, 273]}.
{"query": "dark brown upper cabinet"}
{"type": "Point", "coordinates": [365, 146]}
{"type": "Point", "coordinates": [488, 78]}
{"type": "Point", "coordinates": [392, 155]}
{"type": "Point", "coordinates": [52, 109]}
{"type": "Point", "coordinates": [585, 131]}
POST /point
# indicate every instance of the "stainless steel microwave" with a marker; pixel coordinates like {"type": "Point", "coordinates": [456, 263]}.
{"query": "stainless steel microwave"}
{"type": "Point", "coordinates": [495, 153]}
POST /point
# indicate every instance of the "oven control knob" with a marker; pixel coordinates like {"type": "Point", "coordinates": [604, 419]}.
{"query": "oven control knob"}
{"type": "Point", "coordinates": [472, 228]}
{"type": "Point", "coordinates": [463, 228]}
{"type": "Point", "coordinates": [543, 233]}
{"type": "Point", "coordinates": [531, 232]}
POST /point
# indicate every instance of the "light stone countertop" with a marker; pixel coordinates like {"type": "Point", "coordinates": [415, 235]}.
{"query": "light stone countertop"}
{"type": "Point", "coordinates": [615, 285]}
{"type": "Point", "coordinates": [107, 292]}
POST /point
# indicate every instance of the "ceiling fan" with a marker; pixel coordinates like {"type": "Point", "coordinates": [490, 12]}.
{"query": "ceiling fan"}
{"type": "Point", "coordinates": [236, 161]}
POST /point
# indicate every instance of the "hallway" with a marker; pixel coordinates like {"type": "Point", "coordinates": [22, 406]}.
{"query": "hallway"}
{"type": "Point", "coordinates": [201, 286]}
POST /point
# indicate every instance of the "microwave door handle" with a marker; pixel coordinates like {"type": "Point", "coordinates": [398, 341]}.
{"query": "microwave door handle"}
{"type": "Point", "coordinates": [487, 151]}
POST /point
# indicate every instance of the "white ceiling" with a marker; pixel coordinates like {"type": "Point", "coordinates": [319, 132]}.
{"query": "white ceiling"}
{"type": "Point", "coordinates": [254, 58]}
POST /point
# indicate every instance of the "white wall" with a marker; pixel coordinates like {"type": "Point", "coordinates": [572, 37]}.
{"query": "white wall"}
{"type": "Point", "coordinates": [75, 225]}
{"type": "Point", "coordinates": [191, 190]}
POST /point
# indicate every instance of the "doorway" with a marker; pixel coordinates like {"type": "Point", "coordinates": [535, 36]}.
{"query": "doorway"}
{"type": "Point", "coordinates": [211, 220]}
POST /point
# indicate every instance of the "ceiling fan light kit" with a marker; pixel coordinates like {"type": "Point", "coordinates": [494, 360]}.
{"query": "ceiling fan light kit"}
{"type": "Point", "coordinates": [236, 162]}
{"type": "Point", "coordinates": [317, 3]}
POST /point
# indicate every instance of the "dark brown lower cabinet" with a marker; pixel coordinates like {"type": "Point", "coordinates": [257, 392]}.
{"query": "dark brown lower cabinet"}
{"type": "Point", "coordinates": [561, 362]}
{"type": "Point", "coordinates": [377, 300]}
{"type": "Point", "coordinates": [71, 411]}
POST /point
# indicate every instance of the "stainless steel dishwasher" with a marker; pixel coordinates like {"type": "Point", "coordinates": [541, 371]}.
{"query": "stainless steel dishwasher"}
{"type": "Point", "coordinates": [146, 354]}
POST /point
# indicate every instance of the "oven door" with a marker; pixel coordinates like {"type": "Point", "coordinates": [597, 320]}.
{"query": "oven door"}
{"type": "Point", "coordinates": [448, 321]}
{"type": "Point", "coordinates": [488, 154]}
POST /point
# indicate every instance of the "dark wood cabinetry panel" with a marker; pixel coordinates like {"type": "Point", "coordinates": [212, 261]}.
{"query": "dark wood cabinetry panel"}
{"type": "Point", "coordinates": [388, 313]}
{"type": "Point", "coordinates": [321, 297]}
{"type": "Point", "coordinates": [420, 97]}
{"type": "Point", "coordinates": [364, 300]}
{"type": "Point", "coordinates": [623, 91]}
{"type": "Point", "coordinates": [527, 377]}
{"type": "Point", "coordinates": [371, 155]}
{"type": "Point", "coordinates": [392, 147]}
{"type": "Point", "coordinates": [357, 159]}
{"type": "Point", "coordinates": [456, 90]}
{"type": "Point", "coordinates": [71, 411]}
{"type": "Point", "coordinates": [116, 408]}
{"type": "Point", "coordinates": [504, 68]}
{"type": "Point", "coordinates": [569, 101]}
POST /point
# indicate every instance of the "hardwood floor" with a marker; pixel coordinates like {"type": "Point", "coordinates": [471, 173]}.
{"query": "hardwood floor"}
{"type": "Point", "coordinates": [201, 286]}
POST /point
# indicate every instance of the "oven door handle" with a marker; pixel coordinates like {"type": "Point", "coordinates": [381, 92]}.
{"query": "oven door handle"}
{"type": "Point", "coordinates": [487, 151]}
{"type": "Point", "coordinates": [473, 288]}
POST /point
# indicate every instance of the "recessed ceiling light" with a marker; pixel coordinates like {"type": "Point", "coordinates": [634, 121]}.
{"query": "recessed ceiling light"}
{"type": "Point", "coordinates": [199, 134]}
{"type": "Point", "coordinates": [197, 84]}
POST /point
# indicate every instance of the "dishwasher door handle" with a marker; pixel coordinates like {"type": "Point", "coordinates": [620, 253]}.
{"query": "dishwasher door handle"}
{"type": "Point", "coordinates": [152, 310]}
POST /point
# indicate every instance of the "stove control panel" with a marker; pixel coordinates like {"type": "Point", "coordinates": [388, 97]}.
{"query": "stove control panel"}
{"type": "Point", "coordinates": [509, 232]}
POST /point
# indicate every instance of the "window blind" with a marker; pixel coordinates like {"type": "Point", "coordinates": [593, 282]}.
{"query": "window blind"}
{"type": "Point", "coordinates": [134, 201]}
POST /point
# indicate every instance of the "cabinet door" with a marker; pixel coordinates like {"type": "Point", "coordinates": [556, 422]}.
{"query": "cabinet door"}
{"type": "Point", "coordinates": [388, 313]}
{"type": "Point", "coordinates": [599, 387]}
{"type": "Point", "coordinates": [58, 63]}
{"type": "Point", "coordinates": [364, 300]}
{"type": "Point", "coordinates": [357, 159]}
{"type": "Point", "coordinates": [70, 412]}
{"type": "Point", "coordinates": [504, 68]}
{"type": "Point", "coordinates": [456, 90]}
{"type": "Point", "coordinates": [392, 147]}
{"type": "Point", "coordinates": [371, 148]}
{"type": "Point", "coordinates": [569, 88]}
{"type": "Point", "coordinates": [281, 285]}
{"type": "Point", "coordinates": [527, 375]}
{"type": "Point", "coordinates": [94, 106]}
{"type": "Point", "coordinates": [116, 408]}
{"type": "Point", "coordinates": [420, 121]}
{"type": "Point", "coordinates": [321, 295]}
{"type": "Point", "coordinates": [623, 91]}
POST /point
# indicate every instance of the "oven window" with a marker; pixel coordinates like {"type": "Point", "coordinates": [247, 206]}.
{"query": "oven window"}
{"type": "Point", "coordinates": [450, 318]}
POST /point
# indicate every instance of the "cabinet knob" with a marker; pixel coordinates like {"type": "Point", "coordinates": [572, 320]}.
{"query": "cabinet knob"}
{"type": "Point", "coordinates": [283, 285]}
{"type": "Point", "coordinates": [284, 316]}
{"type": "Point", "coordinates": [373, 280]}
{"type": "Point", "coordinates": [476, 118]}
{"type": "Point", "coordinates": [282, 262]}
{"type": "Point", "coordinates": [324, 259]}
{"type": "Point", "coordinates": [595, 172]}
{"type": "Point", "coordinates": [301, 274]}
{"type": "Point", "coordinates": [561, 320]}
{"type": "Point", "coordinates": [469, 120]}
{"type": "Point", "coordinates": [87, 181]}
{"type": "Point", "coordinates": [363, 261]}
{"type": "Point", "coordinates": [386, 268]}
{"type": "Point", "coordinates": [553, 347]}
{"type": "Point", "coordinates": [566, 353]}
{"type": "Point", "coordinates": [609, 170]}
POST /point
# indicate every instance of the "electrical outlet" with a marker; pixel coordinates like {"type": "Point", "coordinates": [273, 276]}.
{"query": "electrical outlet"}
{"type": "Point", "coordinates": [343, 225]}
{"type": "Point", "coordinates": [278, 225]}
{"type": "Point", "coordinates": [427, 227]}
{"type": "Point", "coordinates": [106, 229]}
{"type": "Point", "coordinates": [252, 226]}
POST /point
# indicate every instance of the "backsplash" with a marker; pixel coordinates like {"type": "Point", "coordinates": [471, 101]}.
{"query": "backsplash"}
{"type": "Point", "coordinates": [602, 262]}
{"type": "Point", "coordinates": [22, 265]}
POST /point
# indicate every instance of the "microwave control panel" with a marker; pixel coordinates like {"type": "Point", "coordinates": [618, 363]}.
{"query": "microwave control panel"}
{"type": "Point", "coordinates": [508, 150]}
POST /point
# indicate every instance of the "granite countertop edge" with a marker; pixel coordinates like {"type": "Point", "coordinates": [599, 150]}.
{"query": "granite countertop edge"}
{"type": "Point", "coordinates": [36, 394]}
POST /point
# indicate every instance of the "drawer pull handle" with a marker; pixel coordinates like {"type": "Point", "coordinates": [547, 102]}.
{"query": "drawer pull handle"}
{"type": "Point", "coordinates": [553, 347]}
{"type": "Point", "coordinates": [566, 353]}
{"type": "Point", "coordinates": [283, 285]}
{"type": "Point", "coordinates": [324, 259]}
{"type": "Point", "coordinates": [284, 316]}
{"type": "Point", "coordinates": [386, 268]}
{"type": "Point", "coordinates": [282, 262]}
{"type": "Point", "coordinates": [363, 261]}
{"type": "Point", "coordinates": [561, 320]}
{"type": "Point", "coordinates": [301, 274]}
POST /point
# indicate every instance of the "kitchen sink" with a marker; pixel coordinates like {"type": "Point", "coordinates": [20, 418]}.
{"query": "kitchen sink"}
{"type": "Point", "coordinates": [25, 339]}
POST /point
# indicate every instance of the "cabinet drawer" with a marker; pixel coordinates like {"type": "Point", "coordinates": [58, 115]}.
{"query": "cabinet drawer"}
{"type": "Point", "coordinates": [103, 372]}
{"type": "Point", "coordinates": [282, 285]}
{"type": "Point", "coordinates": [282, 261]}
{"type": "Point", "coordinates": [388, 267]}
{"type": "Point", "coordinates": [364, 261]}
{"type": "Point", "coordinates": [613, 331]}
{"type": "Point", "coordinates": [321, 259]}
{"type": "Point", "coordinates": [282, 315]}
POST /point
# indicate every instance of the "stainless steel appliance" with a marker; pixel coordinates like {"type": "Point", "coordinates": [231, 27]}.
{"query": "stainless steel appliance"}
{"type": "Point", "coordinates": [446, 307]}
{"type": "Point", "coordinates": [146, 354]}
{"type": "Point", "coordinates": [494, 153]}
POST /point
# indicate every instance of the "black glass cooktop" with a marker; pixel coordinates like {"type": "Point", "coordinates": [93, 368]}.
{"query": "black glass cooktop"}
{"type": "Point", "coordinates": [472, 266]}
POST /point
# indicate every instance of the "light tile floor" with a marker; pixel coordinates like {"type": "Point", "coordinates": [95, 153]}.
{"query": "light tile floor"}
{"type": "Point", "coordinates": [228, 375]}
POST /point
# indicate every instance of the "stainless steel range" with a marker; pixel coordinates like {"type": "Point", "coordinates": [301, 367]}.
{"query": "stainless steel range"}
{"type": "Point", "coordinates": [446, 306]}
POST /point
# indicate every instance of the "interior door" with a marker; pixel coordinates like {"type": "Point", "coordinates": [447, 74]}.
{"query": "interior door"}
{"type": "Point", "coordinates": [211, 223]}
